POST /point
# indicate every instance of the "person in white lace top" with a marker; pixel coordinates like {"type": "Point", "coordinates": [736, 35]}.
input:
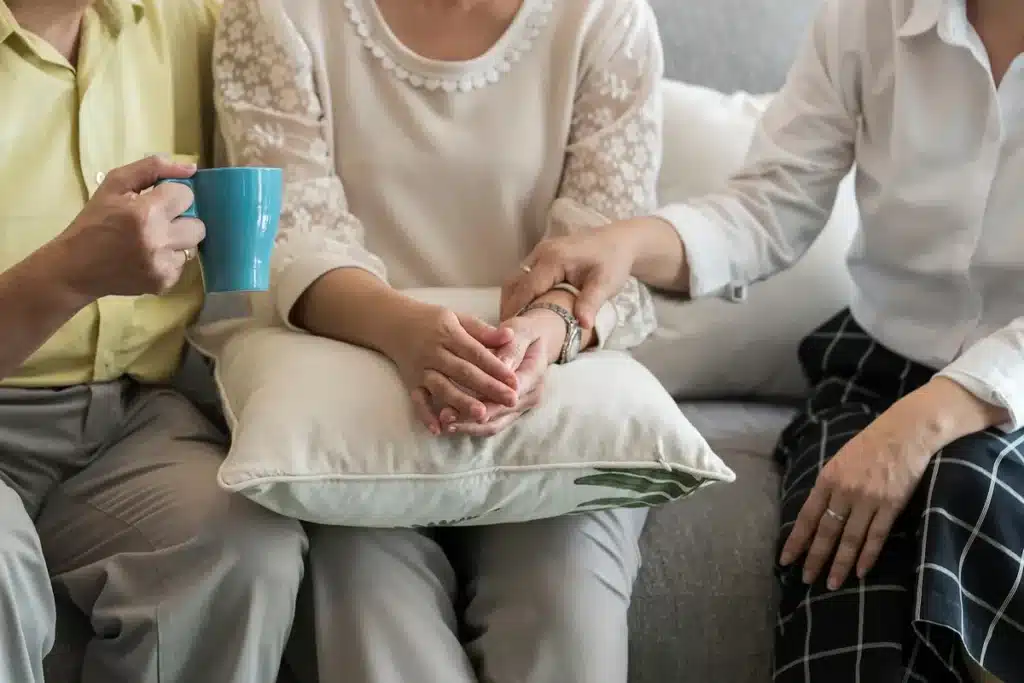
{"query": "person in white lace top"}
{"type": "Point", "coordinates": [433, 143]}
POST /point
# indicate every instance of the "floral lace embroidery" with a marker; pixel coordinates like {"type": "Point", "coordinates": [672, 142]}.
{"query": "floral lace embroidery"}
{"type": "Point", "coordinates": [614, 157]}
{"type": "Point", "coordinates": [488, 74]}
{"type": "Point", "coordinates": [265, 86]}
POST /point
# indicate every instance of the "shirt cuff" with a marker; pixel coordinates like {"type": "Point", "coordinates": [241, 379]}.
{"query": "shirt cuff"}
{"type": "Point", "coordinates": [707, 251]}
{"type": "Point", "coordinates": [994, 373]}
{"type": "Point", "coordinates": [605, 323]}
{"type": "Point", "coordinates": [300, 274]}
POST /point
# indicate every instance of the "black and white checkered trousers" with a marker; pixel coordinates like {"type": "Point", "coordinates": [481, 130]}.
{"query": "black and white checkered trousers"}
{"type": "Point", "coordinates": [949, 577]}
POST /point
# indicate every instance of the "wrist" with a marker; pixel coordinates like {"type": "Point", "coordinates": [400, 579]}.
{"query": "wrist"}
{"type": "Point", "coordinates": [944, 411]}
{"type": "Point", "coordinates": [658, 254]}
{"type": "Point", "coordinates": [551, 328]}
{"type": "Point", "coordinates": [54, 274]}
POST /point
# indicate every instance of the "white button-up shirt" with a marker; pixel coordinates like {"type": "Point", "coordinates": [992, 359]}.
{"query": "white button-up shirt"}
{"type": "Point", "coordinates": [902, 89]}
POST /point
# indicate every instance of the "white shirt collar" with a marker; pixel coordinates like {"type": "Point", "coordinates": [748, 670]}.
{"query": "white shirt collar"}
{"type": "Point", "coordinates": [926, 15]}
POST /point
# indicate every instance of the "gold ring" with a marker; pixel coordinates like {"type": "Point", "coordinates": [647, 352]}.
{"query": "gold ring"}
{"type": "Point", "coordinates": [525, 268]}
{"type": "Point", "coordinates": [835, 515]}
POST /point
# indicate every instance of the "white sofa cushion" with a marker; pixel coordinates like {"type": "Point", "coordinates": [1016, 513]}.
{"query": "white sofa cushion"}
{"type": "Point", "coordinates": [716, 348]}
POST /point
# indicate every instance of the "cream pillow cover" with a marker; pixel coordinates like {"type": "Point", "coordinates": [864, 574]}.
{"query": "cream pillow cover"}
{"type": "Point", "coordinates": [714, 348]}
{"type": "Point", "coordinates": [324, 432]}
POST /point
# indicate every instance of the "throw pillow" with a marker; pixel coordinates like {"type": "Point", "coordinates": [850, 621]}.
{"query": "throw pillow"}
{"type": "Point", "coordinates": [713, 348]}
{"type": "Point", "coordinates": [324, 431]}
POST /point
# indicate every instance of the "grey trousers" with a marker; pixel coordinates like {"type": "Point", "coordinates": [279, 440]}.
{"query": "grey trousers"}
{"type": "Point", "coordinates": [542, 602]}
{"type": "Point", "coordinates": [108, 497]}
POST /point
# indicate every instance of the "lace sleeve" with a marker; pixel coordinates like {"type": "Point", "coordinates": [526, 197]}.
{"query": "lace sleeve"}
{"type": "Point", "coordinates": [615, 146]}
{"type": "Point", "coordinates": [271, 115]}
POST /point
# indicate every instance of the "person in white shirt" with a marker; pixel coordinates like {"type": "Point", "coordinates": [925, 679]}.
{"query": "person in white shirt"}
{"type": "Point", "coordinates": [434, 143]}
{"type": "Point", "coordinates": [903, 498]}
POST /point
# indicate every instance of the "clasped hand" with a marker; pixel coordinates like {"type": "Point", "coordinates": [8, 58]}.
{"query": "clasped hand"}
{"type": "Point", "coordinates": [468, 377]}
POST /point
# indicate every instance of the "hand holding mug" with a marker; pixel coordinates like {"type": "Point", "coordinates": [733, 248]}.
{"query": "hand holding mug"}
{"type": "Point", "coordinates": [127, 243]}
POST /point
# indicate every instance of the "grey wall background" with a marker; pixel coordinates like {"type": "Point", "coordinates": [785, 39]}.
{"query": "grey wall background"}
{"type": "Point", "coordinates": [732, 44]}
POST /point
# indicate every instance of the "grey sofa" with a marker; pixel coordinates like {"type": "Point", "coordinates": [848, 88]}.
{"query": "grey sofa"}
{"type": "Point", "coordinates": [703, 605]}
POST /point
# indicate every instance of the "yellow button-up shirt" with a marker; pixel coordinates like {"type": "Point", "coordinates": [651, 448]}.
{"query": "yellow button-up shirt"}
{"type": "Point", "coordinates": [142, 86]}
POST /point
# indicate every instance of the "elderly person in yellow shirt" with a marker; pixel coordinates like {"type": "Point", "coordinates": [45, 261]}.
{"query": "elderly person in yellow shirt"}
{"type": "Point", "coordinates": [107, 486]}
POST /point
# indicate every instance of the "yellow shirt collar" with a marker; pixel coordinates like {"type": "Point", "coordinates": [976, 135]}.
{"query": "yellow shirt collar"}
{"type": "Point", "coordinates": [115, 13]}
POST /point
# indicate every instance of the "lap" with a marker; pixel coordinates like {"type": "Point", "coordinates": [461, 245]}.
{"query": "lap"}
{"type": "Point", "coordinates": [536, 601]}
{"type": "Point", "coordinates": [564, 550]}
{"type": "Point", "coordinates": [151, 486]}
{"type": "Point", "coordinates": [600, 545]}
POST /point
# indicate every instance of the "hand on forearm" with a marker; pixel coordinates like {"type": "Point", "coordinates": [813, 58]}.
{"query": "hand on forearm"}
{"type": "Point", "coordinates": [34, 303]}
{"type": "Point", "coordinates": [552, 326]}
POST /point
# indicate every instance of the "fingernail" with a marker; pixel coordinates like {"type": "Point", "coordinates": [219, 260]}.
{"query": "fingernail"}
{"type": "Point", "coordinates": [786, 559]}
{"type": "Point", "coordinates": [807, 578]}
{"type": "Point", "coordinates": [833, 584]}
{"type": "Point", "coordinates": [451, 429]}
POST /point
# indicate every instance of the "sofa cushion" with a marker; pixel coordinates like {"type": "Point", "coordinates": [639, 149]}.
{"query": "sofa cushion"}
{"type": "Point", "coordinates": [704, 602]}
{"type": "Point", "coordinates": [715, 347]}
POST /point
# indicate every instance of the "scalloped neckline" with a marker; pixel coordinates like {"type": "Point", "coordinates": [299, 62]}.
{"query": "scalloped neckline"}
{"type": "Point", "coordinates": [451, 76]}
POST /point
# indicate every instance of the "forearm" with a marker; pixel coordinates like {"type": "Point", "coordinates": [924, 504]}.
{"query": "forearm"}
{"type": "Point", "coordinates": [34, 304]}
{"type": "Point", "coordinates": [659, 255]}
{"type": "Point", "coordinates": [354, 306]}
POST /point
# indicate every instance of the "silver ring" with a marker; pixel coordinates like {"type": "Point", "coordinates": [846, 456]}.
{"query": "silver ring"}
{"type": "Point", "coordinates": [835, 515]}
{"type": "Point", "coordinates": [189, 254]}
{"type": "Point", "coordinates": [525, 268]}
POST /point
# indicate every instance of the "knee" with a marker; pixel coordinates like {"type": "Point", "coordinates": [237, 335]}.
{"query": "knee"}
{"type": "Point", "coordinates": [26, 598]}
{"type": "Point", "coordinates": [260, 549]}
{"type": "Point", "coordinates": [571, 572]}
{"type": "Point", "coordinates": [967, 469]}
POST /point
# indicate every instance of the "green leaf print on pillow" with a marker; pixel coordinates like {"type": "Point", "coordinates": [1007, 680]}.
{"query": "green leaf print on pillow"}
{"type": "Point", "coordinates": [653, 486]}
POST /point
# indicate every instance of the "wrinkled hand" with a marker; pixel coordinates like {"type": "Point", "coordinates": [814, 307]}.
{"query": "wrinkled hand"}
{"type": "Point", "coordinates": [127, 243]}
{"type": "Point", "coordinates": [865, 486]}
{"type": "Point", "coordinates": [528, 354]}
{"type": "Point", "coordinates": [446, 359]}
{"type": "Point", "coordinates": [597, 261]}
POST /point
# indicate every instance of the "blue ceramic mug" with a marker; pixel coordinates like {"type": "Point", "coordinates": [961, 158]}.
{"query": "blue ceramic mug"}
{"type": "Point", "coordinates": [241, 208]}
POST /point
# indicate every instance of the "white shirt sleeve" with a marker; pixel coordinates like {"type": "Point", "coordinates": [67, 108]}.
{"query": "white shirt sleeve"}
{"type": "Point", "coordinates": [271, 116]}
{"type": "Point", "coordinates": [614, 153]}
{"type": "Point", "coordinates": [772, 210]}
{"type": "Point", "coordinates": [993, 370]}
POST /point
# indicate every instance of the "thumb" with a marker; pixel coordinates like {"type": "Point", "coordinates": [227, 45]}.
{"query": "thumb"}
{"type": "Point", "coordinates": [488, 335]}
{"type": "Point", "coordinates": [511, 354]}
{"type": "Point", "coordinates": [596, 290]}
{"type": "Point", "coordinates": [143, 174]}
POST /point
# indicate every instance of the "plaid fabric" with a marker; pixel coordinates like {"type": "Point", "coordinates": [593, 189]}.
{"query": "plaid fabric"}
{"type": "Point", "coordinates": [950, 574]}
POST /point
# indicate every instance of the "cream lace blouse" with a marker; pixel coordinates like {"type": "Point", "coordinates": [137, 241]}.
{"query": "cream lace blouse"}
{"type": "Point", "coordinates": [431, 173]}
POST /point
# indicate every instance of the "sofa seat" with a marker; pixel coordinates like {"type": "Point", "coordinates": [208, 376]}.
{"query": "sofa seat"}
{"type": "Point", "coordinates": [702, 610]}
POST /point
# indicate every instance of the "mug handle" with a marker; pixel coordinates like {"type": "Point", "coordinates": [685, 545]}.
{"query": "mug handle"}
{"type": "Point", "coordinates": [190, 212]}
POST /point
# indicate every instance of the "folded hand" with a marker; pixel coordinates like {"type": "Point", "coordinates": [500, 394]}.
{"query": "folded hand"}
{"type": "Point", "coordinates": [447, 359]}
{"type": "Point", "coordinates": [527, 354]}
